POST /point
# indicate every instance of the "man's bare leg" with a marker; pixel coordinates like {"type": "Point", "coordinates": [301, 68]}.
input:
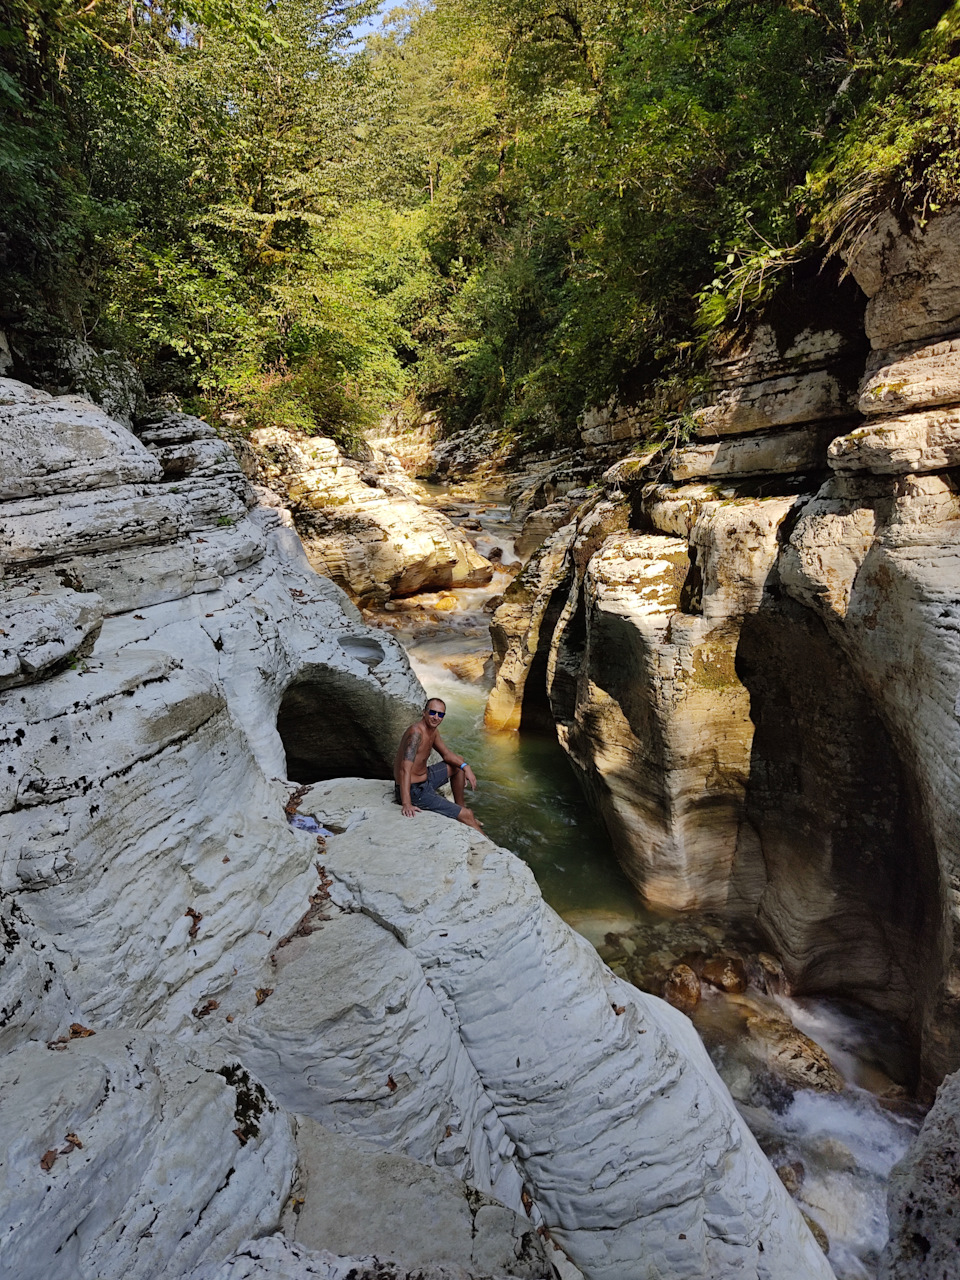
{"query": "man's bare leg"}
{"type": "Point", "coordinates": [458, 783]}
{"type": "Point", "coordinates": [468, 818]}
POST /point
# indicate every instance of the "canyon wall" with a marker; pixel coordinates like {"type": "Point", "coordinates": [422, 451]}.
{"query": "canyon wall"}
{"type": "Point", "coordinates": [236, 1046]}
{"type": "Point", "coordinates": [755, 666]}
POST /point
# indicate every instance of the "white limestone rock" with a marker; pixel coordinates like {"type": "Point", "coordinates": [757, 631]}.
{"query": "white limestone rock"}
{"type": "Point", "coordinates": [611, 423]}
{"type": "Point", "coordinates": [72, 366]}
{"type": "Point", "coordinates": [144, 849]}
{"type": "Point", "coordinates": [33, 1000]}
{"type": "Point", "coordinates": [676, 509]}
{"type": "Point", "coordinates": [64, 444]}
{"type": "Point", "coordinates": [43, 629]}
{"type": "Point", "coordinates": [372, 545]}
{"type": "Point", "coordinates": [631, 1145]}
{"type": "Point", "coordinates": [354, 1200]}
{"type": "Point", "coordinates": [924, 378]}
{"type": "Point", "coordinates": [808, 396]}
{"type": "Point", "coordinates": [516, 625]}
{"type": "Point", "coordinates": [660, 726]}
{"type": "Point", "coordinates": [168, 427]}
{"type": "Point", "coordinates": [904, 445]}
{"type": "Point", "coordinates": [353, 1036]}
{"type": "Point", "coordinates": [540, 523]}
{"type": "Point", "coordinates": [829, 544]}
{"type": "Point", "coordinates": [879, 560]}
{"type": "Point", "coordinates": [910, 271]}
{"type": "Point", "coordinates": [798, 449]}
{"type": "Point", "coordinates": [159, 1181]}
{"type": "Point", "coordinates": [276, 1258]}
{"type": "Point", "coordinates": [39, 530]}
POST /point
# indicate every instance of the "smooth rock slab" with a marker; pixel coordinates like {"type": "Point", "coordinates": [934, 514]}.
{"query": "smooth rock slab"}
{"type": "Point", "coordinates": [279, 1259]}
{"type": "Point", "coordinates": [631, 1144]}
{"type": "Point", "coordinates": [43, 629]}
{"type": "Point", "coordinates": [921, 379]}
{"type": "Point", "coordinates": [161, 1182]}
{"type": "Point", "coordinates": [807, 396]}
{"type": "Point", "coordinates": [905, 445]}
{"type": "Point", "coordinates": [64, 444]}
{"type": "Point", "coordinates": [354, 1037]}
{"type": "Point", "coordinates": [796, 449]}
{"type": "Point", "coordinates": [358, 1201]}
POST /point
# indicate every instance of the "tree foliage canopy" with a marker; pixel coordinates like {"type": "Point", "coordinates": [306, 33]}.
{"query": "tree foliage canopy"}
{"type": "Point", "coordinates": [509, 210]}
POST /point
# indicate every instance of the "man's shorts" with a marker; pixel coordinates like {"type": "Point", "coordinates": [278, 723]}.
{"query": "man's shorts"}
{"type": "Point", "coordinates": [424, 795]}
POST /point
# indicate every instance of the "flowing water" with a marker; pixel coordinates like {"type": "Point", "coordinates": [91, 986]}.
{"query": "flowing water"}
{"type": "Point", "coordinates": [834, 1150]}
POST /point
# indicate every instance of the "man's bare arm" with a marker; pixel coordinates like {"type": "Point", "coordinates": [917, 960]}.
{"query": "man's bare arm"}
{"type": "Point", "coordinates": [451, 758]}
{"type": "Point", "coordinates": [445, 753]}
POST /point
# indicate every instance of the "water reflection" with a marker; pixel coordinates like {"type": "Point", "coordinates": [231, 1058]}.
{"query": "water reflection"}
{"type": "Point", "coordinates": [527, 796]}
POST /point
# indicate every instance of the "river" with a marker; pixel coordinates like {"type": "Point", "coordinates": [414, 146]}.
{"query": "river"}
{"type": "Point", "coordinates": [834, 1150]}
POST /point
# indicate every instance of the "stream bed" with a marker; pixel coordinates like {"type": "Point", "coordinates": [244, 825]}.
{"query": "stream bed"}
{"type": "Point", "coordinates": [833, 1146]}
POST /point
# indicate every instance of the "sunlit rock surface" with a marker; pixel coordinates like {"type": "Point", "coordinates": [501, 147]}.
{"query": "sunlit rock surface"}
{"type": "Point", "coordinates": [351, 1199]}
{"type": "Point", "coordinates": [121, 1157]}
{"type": "Point", "coordinates": [628, 1142]}
{"type": "Point", "coordinates": [374, 542]}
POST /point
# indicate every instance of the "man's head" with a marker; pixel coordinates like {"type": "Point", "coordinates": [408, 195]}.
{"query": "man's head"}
{"type": "Point", "coordinates": [434, 711]}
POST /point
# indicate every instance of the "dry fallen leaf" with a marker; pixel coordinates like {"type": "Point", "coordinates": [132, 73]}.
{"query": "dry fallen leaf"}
{"type": "Point", "coordinates": [262, 993]}
{"type": "Point", "coordinates": [527, 1201]}
{"type": "Point", "coordinates": [619, 1008]}
{"type": "Point", "coordinates": [72, 1138]}
{"type": "Point", "coordinates": [202, 1010]}
{"type": "Point", "coordinates": [78, 1032]}
{"type": "Point", "coordinates": [196, 917]}
{"type": "Point", "coordinates": [47, 1159]}
{"type": "Point", "coordinates": [139, 617]}
{"type": "Point", "coordinates": [391, 1084]}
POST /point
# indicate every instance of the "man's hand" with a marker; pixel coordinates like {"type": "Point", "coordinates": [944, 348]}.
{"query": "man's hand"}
{"type": "Point", "coordinates": [409, 810]}
{"type": "Point", "coordinates": [471, 778]}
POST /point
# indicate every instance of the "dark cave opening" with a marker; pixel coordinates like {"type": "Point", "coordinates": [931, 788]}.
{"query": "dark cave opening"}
{"type": "Point", "coordinates": [331, 728]}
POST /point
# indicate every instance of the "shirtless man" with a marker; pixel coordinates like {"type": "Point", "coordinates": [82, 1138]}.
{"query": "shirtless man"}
{"type": "Point", "coordinates": [417, 782]}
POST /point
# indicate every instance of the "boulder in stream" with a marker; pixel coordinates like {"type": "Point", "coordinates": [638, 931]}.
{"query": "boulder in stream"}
{"type": "Point", "coordinates": [374, 544]}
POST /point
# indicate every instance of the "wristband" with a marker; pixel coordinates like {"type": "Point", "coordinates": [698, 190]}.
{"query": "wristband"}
{"type": "Point", "coordinates": [464, 765]}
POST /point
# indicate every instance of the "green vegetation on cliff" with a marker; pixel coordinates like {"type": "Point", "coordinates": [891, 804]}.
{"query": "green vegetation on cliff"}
{"type": "Point", "coordinates": [508, 210]}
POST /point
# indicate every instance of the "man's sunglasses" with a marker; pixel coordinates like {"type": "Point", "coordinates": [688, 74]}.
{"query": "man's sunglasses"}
{"type": "Point", "coordinates": [438, 714]}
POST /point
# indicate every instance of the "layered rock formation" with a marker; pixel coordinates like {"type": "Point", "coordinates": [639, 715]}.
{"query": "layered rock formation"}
{"type": "Point", "coordinates": [360, 524]}
{"type": "Point", "coordinates": [214, 1024]}
{"type": "Point", "coordinates": [924, 1197]}
{"type": "Point", "coordinates": [757, 678]}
